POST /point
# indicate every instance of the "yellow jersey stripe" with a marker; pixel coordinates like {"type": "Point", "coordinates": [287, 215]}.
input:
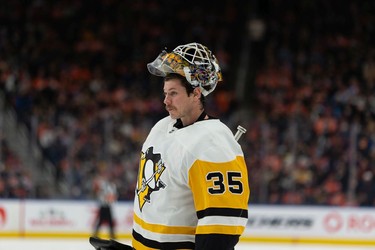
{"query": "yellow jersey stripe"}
{"type": "Point", "coordinates": [162, 229]}
{"type": "Point", "coordinates": [137, 245]}
{"type": "Point", "coordinates": [220, 229]}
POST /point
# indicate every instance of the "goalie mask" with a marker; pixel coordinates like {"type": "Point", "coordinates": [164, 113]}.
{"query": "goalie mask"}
{"type": "Point", "coordinates": [193, 61]}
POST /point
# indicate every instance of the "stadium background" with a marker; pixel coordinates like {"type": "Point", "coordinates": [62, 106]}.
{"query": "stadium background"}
{"type": "Point", "coordinates": [76, 96]}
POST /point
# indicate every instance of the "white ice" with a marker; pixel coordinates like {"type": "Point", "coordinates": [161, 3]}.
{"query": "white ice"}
{"type": "Point", "coordinates": [83, 244]}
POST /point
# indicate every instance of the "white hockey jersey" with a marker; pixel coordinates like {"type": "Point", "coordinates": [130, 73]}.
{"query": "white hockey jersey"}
{"type": "Point", "coordinates": [191, 181]}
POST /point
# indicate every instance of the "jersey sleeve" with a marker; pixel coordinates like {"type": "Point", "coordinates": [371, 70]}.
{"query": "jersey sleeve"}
{"type": "Point", "coordinates": [221, 193]}
{"type": "Point", "coordinates": [216, 241]}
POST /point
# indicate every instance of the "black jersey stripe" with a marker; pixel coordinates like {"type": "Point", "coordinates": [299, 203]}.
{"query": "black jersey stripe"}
{"type": "Point", "coordinates": [163, 245]}
{"type": "Point", "coordinates": [232, 212]}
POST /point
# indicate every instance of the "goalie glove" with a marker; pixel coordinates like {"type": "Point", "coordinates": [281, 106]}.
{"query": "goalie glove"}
{"type": "Point", "coordinates": [101, 244]}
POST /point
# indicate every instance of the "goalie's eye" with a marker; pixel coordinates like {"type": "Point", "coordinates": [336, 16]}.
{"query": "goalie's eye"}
{"type": "Point", "coordinates": [171, 93]}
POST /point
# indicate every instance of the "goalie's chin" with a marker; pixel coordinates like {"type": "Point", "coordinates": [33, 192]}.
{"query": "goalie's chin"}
{"type": "Point", "coordinates": [173, 115]}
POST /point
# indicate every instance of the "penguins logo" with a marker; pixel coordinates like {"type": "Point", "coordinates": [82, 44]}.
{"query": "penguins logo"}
{"type": "Point", "coordinates": [150, 169]}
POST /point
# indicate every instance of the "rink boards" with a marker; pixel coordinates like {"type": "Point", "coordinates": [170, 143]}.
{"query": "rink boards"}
{"type": "Point", "coordinates": [271, 224]}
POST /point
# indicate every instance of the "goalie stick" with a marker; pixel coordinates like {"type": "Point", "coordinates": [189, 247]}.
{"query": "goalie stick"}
{"type": "Point", "coordinates": [240, 131]}
{"type": "Point", "coordinates": [102, 244]}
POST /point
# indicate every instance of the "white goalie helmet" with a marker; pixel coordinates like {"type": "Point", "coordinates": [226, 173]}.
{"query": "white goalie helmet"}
{"type": "Point", "coordinates": [194, 61]}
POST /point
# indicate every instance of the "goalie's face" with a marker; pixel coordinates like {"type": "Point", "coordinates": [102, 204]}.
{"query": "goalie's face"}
{"type": "Point", "coordinates": [180, 104]}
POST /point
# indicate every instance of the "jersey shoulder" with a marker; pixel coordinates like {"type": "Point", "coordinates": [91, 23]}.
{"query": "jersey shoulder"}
{"type": "Point", "coordinates": [162, 127]}
{"type": "Point", "coordinates": [211, 140]}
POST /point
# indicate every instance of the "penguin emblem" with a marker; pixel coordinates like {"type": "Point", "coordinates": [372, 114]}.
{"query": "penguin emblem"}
{"type": "Point", "coordinates": [151, 168]}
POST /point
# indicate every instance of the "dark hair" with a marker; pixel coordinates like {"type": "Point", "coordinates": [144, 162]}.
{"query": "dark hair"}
{"type": "Point", "coordinates": [189, 88]}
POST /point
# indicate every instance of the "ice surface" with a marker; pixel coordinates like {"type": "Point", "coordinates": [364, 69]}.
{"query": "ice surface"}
{"type": "Point", "coordinates": [83, 244]}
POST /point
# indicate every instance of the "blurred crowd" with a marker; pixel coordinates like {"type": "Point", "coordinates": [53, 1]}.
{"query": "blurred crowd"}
{"type": "Point", "coordinates": [75, 73]}
{"type": "Point", "coordinates": [313, 132]}
{"type": "Point", "coordinates": [15, 179]}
